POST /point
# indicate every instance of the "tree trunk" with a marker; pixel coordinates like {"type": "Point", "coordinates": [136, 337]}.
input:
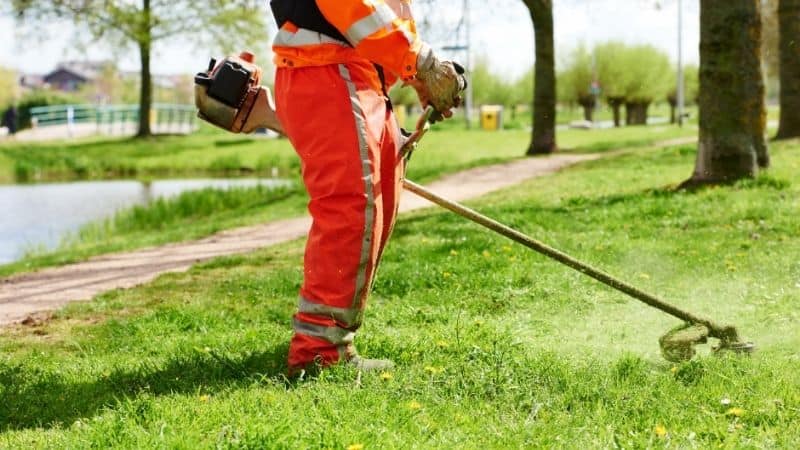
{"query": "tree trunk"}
{"type": "Point", "coordinates": [616, 103]}
{"type": "Point", "coordinates": [146, 87]}
{"type": "Point", "coordinates": [636, 113]}
{"type": "Point", "coordinates": [544, 99]}
{"type": "Point", "coordinates": [732, 111]}
{"type": "Point", "coordinates": [789, 18]}
{"type": "Point", "coordinates": [588, 103]}
{"type": "Point", "coordinates": [672, 99]}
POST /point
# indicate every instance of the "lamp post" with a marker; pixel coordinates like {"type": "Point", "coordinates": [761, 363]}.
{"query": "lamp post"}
{"type": "Point", "coordinates": [681, 99]}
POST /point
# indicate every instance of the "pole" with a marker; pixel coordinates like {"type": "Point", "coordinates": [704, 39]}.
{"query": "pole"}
{"type": "Point", "coordinates": [681, 86]}
{"type": "Point", "coordinates": [468, 94]}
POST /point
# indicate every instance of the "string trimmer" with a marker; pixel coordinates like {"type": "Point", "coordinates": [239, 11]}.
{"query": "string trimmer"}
{"type": "Point", "coordinates": [676, 345]}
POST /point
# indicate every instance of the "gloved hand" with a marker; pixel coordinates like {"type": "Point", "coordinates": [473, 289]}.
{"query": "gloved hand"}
{"type": "Point", "coordinates": [438, 83]}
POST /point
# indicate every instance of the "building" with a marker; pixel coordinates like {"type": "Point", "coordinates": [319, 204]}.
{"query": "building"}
{"type": "Point", "coordinates": [70, 76]}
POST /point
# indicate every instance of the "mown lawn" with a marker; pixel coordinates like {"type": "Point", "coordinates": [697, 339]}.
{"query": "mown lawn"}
{"type": "Point", "coordinates": [198, 214]}
{"type": "Point", "coordinates": [496, 347]}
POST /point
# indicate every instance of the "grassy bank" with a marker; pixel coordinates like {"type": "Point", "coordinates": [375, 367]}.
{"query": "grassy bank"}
{"type": "Point", "coordinates": [496, 347]}
{"type": "Point", "coordinates": [198, 214]}
{"type": "Point", "coordinates": [213, 152]}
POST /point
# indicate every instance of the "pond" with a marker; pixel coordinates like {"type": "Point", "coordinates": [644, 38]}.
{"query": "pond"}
{"type": "Point", "coordinates": [38, 215]}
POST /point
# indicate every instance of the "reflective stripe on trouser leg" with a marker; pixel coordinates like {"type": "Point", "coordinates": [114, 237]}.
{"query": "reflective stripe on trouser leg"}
{"type": "Point", "coordinates": [342, 170]}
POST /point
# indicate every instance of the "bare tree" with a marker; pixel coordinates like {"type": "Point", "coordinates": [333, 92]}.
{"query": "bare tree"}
{"type": "Point", "coordinates": [544, 95]}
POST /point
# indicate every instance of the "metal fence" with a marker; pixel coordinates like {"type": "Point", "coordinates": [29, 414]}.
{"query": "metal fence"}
{"type": "Point", "coordinates": [114, 119]}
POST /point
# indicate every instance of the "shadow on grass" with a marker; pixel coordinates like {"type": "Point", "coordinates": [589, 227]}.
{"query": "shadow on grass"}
{"type": "Point", "coordinates": [33, 398]}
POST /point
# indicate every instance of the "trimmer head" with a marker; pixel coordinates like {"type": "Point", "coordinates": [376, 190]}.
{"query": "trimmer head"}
{"type": "Point", "coordinates": [678, 344]}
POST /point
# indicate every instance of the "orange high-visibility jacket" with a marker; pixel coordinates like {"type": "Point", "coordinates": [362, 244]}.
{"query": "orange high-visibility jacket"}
{"type": "Point", "coordinates": [320, 32]}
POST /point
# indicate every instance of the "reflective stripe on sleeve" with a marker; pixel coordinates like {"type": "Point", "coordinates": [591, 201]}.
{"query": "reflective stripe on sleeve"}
{"type": "Point", "coordinates": [334, 335]}
{"type": "Point", "coordinates": [349, 317]}
{"type": "Point", "coordinates": [381, 18]}
{"type": "Point", "coordinates": [366, 165]}
{"type": "Point", "coordinates": [303, 37]}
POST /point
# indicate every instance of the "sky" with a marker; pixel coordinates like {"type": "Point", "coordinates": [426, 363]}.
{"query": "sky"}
{"type": "Point", "coordinates": [503, 35]}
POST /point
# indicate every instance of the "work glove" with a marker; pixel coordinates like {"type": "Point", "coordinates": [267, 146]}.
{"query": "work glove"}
{"type": "Point", "coordinates": [438, 83]}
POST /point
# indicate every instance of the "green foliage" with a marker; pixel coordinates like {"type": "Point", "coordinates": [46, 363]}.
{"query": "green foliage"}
{"type": "Point", "coordinates": [41, 97]}
{"type": "Point", "coordinates": [9, 88]}
{"type": "Point", "coordinates": [640, 73]}
{"type": "Point", "coordinates": [575, 79]}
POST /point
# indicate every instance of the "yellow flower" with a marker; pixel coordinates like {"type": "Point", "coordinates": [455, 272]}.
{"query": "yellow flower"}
{"type": "Point", "coordinates": [434, 370]}
{"type": "Point", "coordinates": [204, 398]}
{"type": "Point", "coordinates": [442, 344]}
{"type": "Point", "coordinates": [386, 376]}
{"type": "Point", "coordinates": [486, 254]}
{"type": "Point", "coordinates": [414, 405]}
{"type": "Point", "coordinates": [355, 447]}
{"type": "Point", "coordinates": [735, 411]}
{"type": "Point", "coordinates": [673, 369]}
{"type": "Point", "coordinates": [660, 430]}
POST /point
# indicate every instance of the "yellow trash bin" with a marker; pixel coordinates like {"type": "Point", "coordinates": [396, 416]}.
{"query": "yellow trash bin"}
{"type": "Point", "coordinates": [491, 117]}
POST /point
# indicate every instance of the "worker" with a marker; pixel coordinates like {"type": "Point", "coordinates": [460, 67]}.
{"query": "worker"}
{"type": "Point", "coordinates": [336, 60]}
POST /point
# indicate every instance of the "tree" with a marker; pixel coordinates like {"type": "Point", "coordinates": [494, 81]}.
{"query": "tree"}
{"type": "Point", "coordinates": [648, 73]}
{"type": "Point", "coordinates": [9, 88]}
{"type": "Point", "coordinates": [732, 111]}
{"type": "Point", "coordinates": [575, 82]}
{"type": "Point", "coordinates": [789, 17]}
{"type": "Point", "coordinates": [544, 97]}
{"type": "Point", "coordinates": [612, 74]}
{"type": "Point", "coordinates": [143, 23]}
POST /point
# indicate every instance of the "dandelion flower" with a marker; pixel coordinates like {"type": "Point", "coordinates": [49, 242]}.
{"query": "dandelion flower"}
{"type": "Point", "coordinates": [386, 376]}
{"type": "Point", "coordinates": [204, 398]}
{"type": "Point", "coordinates": [414, 405]}
{"type": "Point", "coordinates": [660, 430]}
{"type": "Point", "coordinates": [442, 344]}
{"type": "Point", "coordinates": [735, 411]}
{"type": "Point", "coordinates": [355, 447]}
{"type": "Point", "coordinates": [434, 370]}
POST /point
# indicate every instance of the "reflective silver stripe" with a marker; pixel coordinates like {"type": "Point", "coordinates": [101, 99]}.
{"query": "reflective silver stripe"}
{"type": "Point", "coordinates": [303, 37]}
{"type": "Point", "coordinates": [361, 131]}
{"type": "Point", "coordinates": [334, 335]}
{"type": "Point", "coordinates": [382, 17]}
{"type": "Point", "coordinates": [350, 317]}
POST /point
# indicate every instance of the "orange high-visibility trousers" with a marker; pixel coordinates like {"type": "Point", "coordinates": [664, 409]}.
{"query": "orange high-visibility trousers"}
{"type": "Point", "coordinates": [348, 140]}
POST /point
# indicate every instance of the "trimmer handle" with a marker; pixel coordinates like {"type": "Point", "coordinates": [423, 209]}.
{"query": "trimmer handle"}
{"type": "Point", "coordinates": [423, 125]}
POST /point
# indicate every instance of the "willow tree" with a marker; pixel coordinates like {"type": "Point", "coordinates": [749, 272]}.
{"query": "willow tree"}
{"type": "Point", "coordinates": [575, 82]}
{"type": "Point", "coordinates": [789, 28]}
{"type": "Point", "coordinates": [141, 24]}
{"type": "Point", "coordinates": [544, 92]}
{"type": "Point", "coordinates": [731, 103]}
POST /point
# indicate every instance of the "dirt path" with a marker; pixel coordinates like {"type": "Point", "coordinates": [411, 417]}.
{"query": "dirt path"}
{"type": "Point", "coordinates": [48, 289]}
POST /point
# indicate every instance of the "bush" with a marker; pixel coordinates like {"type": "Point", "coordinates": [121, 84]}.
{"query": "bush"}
{"type": "Point", "coordinates": [40, 97]}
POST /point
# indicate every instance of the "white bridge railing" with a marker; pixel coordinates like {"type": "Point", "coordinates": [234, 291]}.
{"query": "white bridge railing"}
{"type": "Point", "coordinates": [80, 120]}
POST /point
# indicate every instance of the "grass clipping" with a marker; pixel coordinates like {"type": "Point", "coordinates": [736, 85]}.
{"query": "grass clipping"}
{"type": "Point", "coordinates": [678, 344]}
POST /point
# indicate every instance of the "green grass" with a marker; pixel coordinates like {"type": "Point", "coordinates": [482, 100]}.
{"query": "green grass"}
{"type": "Point", "coordinates": [496, 347]}
{"type": "Point", "coordinates": [213, 152]}
{"type": "Point", "coordinates": [199, 214]}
